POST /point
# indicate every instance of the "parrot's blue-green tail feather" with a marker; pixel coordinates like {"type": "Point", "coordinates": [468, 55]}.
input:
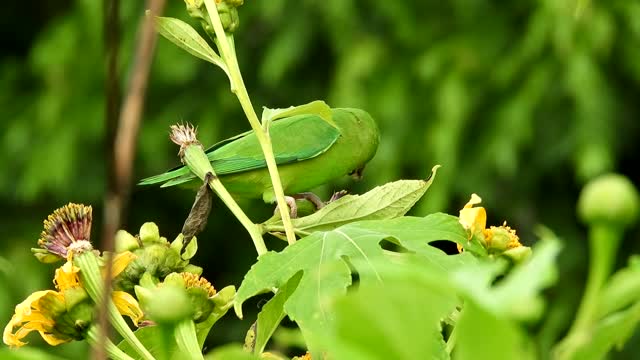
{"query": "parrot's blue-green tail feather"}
{"type": "Point", "coordinates": [177, 181]}
{"type": "Point", "coordinates": [167, 177]}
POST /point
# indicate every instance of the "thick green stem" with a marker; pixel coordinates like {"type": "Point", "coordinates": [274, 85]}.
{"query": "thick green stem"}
{"type": "Point", "coordinates": [197, 161]}
{"type": "Point", "coordinates": [237, 85]}
{"type": "Point", "coordinates": [90, 274]}
{"type": "Point", "coordinates": [252, 229]}
{"type": "Point", "coordinates": [93, 336]}
{"type": "Point", "coordinates": [187, 340]}
{"type": "Point", "coordinates": [604, 241]}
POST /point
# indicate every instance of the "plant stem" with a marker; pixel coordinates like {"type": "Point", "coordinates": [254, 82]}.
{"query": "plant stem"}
{"type": "Point", "coordinates": [93, 336]}
{"type": "Point", "coordinates": [228, 54]}
{"type": "Point", "coordinates": [603, 246]}
{"type": "Point", "coordinates": [227, 199]}
{"type": "Point", "coordinates": [185, 334]}
{"type": "Point", "coordinates": [90, 275]}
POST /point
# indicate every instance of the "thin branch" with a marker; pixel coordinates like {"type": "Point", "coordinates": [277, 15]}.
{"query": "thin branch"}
{"type": "Point", "coordinates": [111, 31]}
{"type": "Point", "coordinates": [124, 139]}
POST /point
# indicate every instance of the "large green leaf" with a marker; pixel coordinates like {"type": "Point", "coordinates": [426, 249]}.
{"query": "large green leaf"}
{"type": "Point", "coordinates": [400, 319]}
{"type": "Point", "coordinates": [326, 259]}
{"type": "Point", "coordinates": [482, 335]}
{"type": "Point", "coordinates": [388, 201]}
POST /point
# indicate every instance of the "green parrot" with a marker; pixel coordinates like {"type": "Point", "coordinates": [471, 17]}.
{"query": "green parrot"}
{"type": "Point", "coordinates": [308, 149]}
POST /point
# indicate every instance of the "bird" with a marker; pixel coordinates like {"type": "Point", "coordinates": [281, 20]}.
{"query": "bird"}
{"type": "Point", "coordinates": [309, 151]}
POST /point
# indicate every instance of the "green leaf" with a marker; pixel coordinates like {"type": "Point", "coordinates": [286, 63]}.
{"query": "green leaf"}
{"type": "Point", "coordinates": [325, 259]}
{"type": "Point", "coordinates": [517, 295]}
{"type": "Point", "coordinates": [388, 201]}
{"type": "Point", "coordinates": [272, 313]}
{"type": "Point", "coordinates": [187, 38]}
{"type": "Point", "coordinates": [622, 289]}
{"type": "Point", "coordinates": [614, 330]}
{"type": "Point", "coordinates": [230, 352]}
{"type": "Point", "coordinates": [397, 320]}
{"type": "Point", "coordinates": [159, 340]}
{"type": "Point", "coordinates": [223, 302]}
{"type": "Point", "coordinates": [26, 353]}
{"type": "Point", "coordinates": [482, 335]}
{"type": "Point", "coordinates": [317, 107]}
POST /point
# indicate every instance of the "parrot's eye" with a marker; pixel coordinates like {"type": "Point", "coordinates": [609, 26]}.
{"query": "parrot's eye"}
{"type": "Point", "coordinates": [357, 173]}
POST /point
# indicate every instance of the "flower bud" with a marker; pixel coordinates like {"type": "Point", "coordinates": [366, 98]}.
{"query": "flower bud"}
{"type": "Point", "coordinates": [610, 198]}
{"type": "Point", "coordinates": [126, 242]}
{"type": "Point", "coordinates": [166, 304]}
{"type": "Point", "coordinates": [518, 254]}
{"type": "Point", "coordinates": [229, 16]}
{"type": "Point", "coordinates": [149, 233]}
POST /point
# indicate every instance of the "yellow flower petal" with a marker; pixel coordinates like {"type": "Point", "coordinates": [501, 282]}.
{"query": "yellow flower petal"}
{"type": "Point", "coordinates": [127, 305]}
{"type": "Point", "coordinates": [28, 318]}
{"type": "Point", "coordinates": [472, 218]}
{"type": "Point", "coordinates": [66, 276]}
{"type": "Point", "coordinates": [121, 261]}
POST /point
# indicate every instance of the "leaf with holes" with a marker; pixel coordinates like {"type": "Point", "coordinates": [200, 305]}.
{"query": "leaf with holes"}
{"type": "Point", "coordinates": [327, 259]}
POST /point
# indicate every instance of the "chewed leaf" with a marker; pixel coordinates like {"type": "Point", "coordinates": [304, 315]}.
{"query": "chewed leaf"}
{"type": "Point", "coordinates": [187, 38]}
{"type": "Point", "coordinates": [317, 107]}
{"type": "Point", "coordinates": [326, 260]}
{"type": "Point", "coordinates": [388, 201]}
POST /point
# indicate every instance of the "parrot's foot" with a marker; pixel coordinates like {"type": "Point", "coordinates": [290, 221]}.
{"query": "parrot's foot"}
{"type": "Point", "coordinates": [337, 195]}
{"type": "Point", "coordinates": [313, 198]}
{"type": "Point", "coordinates": [293, 207]}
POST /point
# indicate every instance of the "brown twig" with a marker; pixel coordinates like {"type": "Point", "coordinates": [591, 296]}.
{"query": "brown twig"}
{"type": "Point", "coordinates": [125, 134]}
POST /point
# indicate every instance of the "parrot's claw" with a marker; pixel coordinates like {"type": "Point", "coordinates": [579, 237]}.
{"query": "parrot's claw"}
{"type": "Point", "coordinates": [337, 195]}
{"type": "Point", "coordinates": [293, 207]}
{"type": "Point", "coordinates": [313, 198]}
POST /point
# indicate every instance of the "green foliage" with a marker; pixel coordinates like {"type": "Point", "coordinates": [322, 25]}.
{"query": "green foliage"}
{"type": "Point", "coordinates": [512, 100]}
{"type": "Point", "coordinates": [327, 259]}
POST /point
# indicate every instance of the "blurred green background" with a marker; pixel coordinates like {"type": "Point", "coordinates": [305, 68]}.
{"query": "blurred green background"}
{"type": "Point", "coordinates": [520, 102]}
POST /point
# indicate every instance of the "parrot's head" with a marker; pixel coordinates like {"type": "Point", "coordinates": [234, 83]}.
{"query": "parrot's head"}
{"type": "Point", "coordinates": [360, 132]}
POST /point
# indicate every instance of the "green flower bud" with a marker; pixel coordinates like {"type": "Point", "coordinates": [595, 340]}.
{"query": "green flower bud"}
{"type": "Point", "coordinates": [156, 259]}
{"type": "Point", "coordinates": [126, 242]}
{"type": "Point", "coordinates": [149, 233]}
{"type": "Point", "coordinates": [519, 254]}
{"type": "Point", "coordinates": [229, 16]}
{"type": "Point", "coordinates": [166, 304]}
{"type": "Point", "coordinates": [610, 198]}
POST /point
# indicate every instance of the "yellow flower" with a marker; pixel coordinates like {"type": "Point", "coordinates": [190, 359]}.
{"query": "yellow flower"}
{"type": "Point", "coordinates": [41, 309]}
{"type": "Point", "coordinates": [474, 220]}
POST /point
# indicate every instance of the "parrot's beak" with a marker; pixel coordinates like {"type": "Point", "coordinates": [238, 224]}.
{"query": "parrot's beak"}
{"type": "Point", "coordinates": [357, 174]}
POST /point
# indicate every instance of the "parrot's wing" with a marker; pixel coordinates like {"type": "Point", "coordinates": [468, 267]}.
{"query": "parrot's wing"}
{"type": "Point", "coordinates": [293, 139]}
{"type": "Point", "coordinates": [296, 138]}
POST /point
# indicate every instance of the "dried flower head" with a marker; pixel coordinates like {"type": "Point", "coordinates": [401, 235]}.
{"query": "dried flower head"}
{"type": "Point", "coordinates": [67, 230]}
{"type": "Point", "coordinates": [184, 135]}
{"type": "Point", "coordinates": [192, 280]}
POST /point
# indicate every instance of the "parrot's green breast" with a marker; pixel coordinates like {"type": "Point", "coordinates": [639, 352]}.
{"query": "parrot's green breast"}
{"type": "Point", "coordinates": [309, 151]}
